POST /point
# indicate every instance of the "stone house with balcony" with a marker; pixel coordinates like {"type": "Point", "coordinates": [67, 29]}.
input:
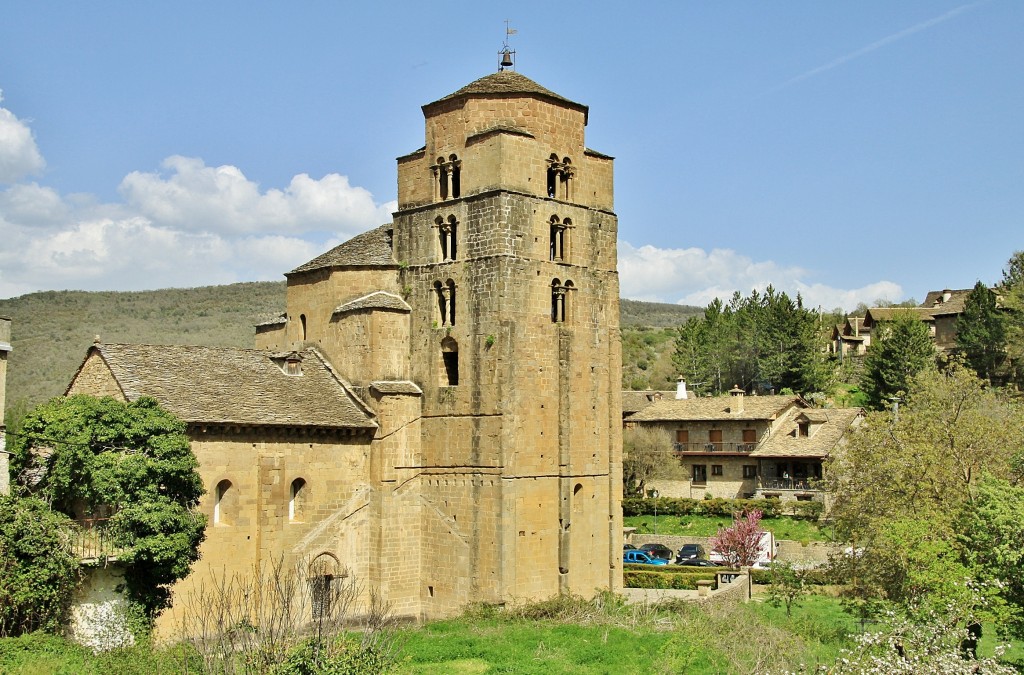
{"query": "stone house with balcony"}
{"type": "Point", "coordinates": [436, 410]}
{"type": "Point", "coordinates": [850, 338]}
{"type": "Point", "coordinates": [939, 311]}
{"type": "Point", "coordinates": [747, 446]}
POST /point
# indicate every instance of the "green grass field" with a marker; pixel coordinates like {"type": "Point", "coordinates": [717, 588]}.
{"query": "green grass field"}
{"type": "Point", "coordinates": [707, 526]}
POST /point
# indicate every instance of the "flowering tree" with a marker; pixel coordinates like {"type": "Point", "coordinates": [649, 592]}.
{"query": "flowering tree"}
{"type": "Point", "coordinates": [740, 543]}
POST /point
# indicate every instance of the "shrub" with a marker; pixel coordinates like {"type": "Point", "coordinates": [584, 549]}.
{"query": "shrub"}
{"type": "Point", "coordinates": [649, 578]}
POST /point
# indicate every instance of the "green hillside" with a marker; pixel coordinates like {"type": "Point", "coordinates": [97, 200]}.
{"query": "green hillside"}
{"type": "Point", "coordinates": [52, 330]}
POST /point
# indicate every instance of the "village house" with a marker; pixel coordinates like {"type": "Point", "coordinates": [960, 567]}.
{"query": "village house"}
{"type": "Point", "coordinates": [436, 413]}
{"type": "Point", "coordinates": [746, 446]}
{"type": "Point", "coordinates": [939, 311]}
{"type": "Point", "coordinates": [850, 338]}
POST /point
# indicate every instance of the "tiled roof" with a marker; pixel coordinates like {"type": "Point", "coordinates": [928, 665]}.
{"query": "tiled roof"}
{"type": "Point", "coordinates": [786, 442]}
{"type": "Point", "coordinates": [376, 300]}
{"type": "Point", "coordinates": [369, 249]}
{"type": "Point", "coordinates": [633, 401]}
{"type": "Point", "coordinates": [233, 386]}
{"type": "Point", "coordinates": [278, 320]}
{"type": "Point", "coordinates": [955, 304]}
{"type": "Point", "coordinates": [396, 387]}
{"type": "Point", "coordinates": [715, 408]}
{"type": "Point", "coordinates": [876, 314]}
{"type": "Point", "coordinates": [504, 82]}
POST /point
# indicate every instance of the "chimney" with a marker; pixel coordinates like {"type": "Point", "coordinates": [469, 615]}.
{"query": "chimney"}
{"type": "Point", "coordinates": [737, 399]}
{"type": "Point", "coordinates": [681, 389]}
{"type": "Point", "coordinates": [946, 295]}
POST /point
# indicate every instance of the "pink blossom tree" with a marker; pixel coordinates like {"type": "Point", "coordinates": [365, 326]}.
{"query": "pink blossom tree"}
{"type": "Point", "coordinates": [740, 543]}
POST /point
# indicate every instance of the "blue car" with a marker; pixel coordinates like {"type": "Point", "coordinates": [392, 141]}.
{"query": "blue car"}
{"type": "Point", "coordinates": [641, 558]}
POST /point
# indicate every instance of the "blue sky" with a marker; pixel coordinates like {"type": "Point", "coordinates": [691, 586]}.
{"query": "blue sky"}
{"type": "Point", "coordinates": [848, 151]}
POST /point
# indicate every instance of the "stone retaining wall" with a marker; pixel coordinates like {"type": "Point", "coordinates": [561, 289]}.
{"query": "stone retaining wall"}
{"type": "Point", "coordinates": [814, 553]}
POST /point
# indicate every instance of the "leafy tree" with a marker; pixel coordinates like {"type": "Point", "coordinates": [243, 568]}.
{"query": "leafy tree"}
{"type": "Point", "coordinates": [788, 585]}
{"type": "Point", "coordinates": [991, 533]}
{"type": "Point", "coordinates": [741, 542]}
{"type": "Point", "coordinates": [643, 450]}
{"type": "Point", "coordinates": [903, 481]}
{"type": "Point", "coordinates": [981, 332]}
{"type": "Point", "coordinates": [84, 455]}
{"type": "Point", "coordinates": [38, 572]}
{"type": "Point", "coordinates": [898, 353]}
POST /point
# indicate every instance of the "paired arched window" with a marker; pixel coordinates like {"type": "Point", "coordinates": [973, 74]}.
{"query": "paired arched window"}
{"type": "Point", "coordinates": [559, 239]}
{"type": "Point", "coordinates": [449, 362]}
{"type": "Point", "coordinates": [560, 295]}
{"type": "Point", "coordinates": [223, 503]}
{"type": "Point", "coordinates": [447, 235]}
{"type": "Point", "coordinates": [560, 174]}
{"type": "Point", "coordinates": [448, 178]}
{"type": "Point", "coordinates": [297, 500]}
{"type": "Point", "coordinates": [445, 302]}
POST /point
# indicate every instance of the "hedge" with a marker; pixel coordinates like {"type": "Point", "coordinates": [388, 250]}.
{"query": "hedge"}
{"type": "Point", "coordinates": [818, 576]}
{"type": "Point", "coordinates": [634, 577]}
{"type": "Point", "coordinates": [770, 508]}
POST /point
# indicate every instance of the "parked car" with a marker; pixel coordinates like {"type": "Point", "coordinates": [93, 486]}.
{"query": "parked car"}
{"type": "Point", "coordinates": [698, 562]}
{"type": "Point", "coordinates": [659, 551]}
{"type": "Point", "coordinates": [628, 547]}
{"type": "Point", "coordinates": [691, 552]}
{"type": "Point", "coordinates": [640, 558]}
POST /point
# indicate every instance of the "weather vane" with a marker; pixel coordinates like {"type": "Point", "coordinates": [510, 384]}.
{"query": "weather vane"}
{"type": "Point", "coordinates": [507, 53]}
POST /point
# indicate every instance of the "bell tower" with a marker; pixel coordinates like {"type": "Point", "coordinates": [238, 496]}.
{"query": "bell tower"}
{"type": "Point", "coordinates": [505, 241]}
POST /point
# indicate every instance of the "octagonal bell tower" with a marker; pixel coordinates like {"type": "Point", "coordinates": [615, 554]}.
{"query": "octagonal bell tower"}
{"type": "Point", "coordinates": [505, 240]}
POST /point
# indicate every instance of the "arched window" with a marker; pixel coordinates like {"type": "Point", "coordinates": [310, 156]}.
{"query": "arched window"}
{"type": "Point", "coordinates": [559, 241]}
{"type": "Point", "coordinates": [223, 499]}
{"type": "Point", "coordinates": [296, 500]}
{"type": "Point", "coordinates": [560, 300]}
{"type": "Point", "coordinates": [449, 362]}
{"type": "Point", "coordinates": [451, 302]}
{"type": "Point", "coordinates": [456, 173]}
{"type": "Point", "coordinates": [448, 175]}
{"type": "Point", "coordinates": [302, 326]}
{"type": "Point", "coordinates": [447, 235]}
{"type": "Point", "coordinates": [560, 173]}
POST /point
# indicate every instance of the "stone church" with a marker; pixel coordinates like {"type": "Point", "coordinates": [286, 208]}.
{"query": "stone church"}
{"type": "Point", "coordinates": [438, 411]}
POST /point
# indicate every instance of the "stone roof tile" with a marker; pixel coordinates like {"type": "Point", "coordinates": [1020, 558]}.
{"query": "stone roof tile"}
{"type": "Point", "coordinates": [785, 441]}
{"type": "Point", "coordinates": [234, 386]}
{"type": "Point", "coordinates": [506, 82]}
{"type": "Point", "coordinates": [376, 300]}
{"type": "Point", "coordinates": [715, 408]}
{"type": "Point", "coordinates": [369, 249]}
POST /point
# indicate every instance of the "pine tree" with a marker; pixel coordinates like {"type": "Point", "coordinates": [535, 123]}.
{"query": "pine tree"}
{"type": "Point", "coordinates": [981, 332]}
{"type": "Point", "coordinates": [903, 350]}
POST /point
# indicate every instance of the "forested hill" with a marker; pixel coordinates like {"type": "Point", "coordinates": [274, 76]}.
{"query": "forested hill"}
{"type": "Point", "coordinates": [52, 330]}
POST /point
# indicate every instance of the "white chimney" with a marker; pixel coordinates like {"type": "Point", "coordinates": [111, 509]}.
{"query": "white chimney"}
{"type": "Point", "coordinates": [946, 295]}
{"type": "Point", "coordinates": [681, 389]}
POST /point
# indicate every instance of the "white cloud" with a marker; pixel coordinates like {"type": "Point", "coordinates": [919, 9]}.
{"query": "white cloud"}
{"type": "Point", "coordinates": [19, 156]}
{"type": "Point", "coordinates": [193, 196]}
{"type": "Point", "coordinates": [693, 276]}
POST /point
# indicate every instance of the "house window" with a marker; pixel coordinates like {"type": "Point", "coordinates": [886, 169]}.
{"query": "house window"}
{"type": "Point", "coordinates": [683, 437]}
{"type": "Point", "coordinates": [749, 436]}
{"type": "Point", "coordinates": [804, 429]}
{"type": "Point", "coordinates": [749, 471]}
{"type": "Point", "coordinates": [223, 497]}
{"type": "Point", "coordinates": [700, 473]}
{"type": "Point", "coordinates": [296, 500]}
{"type": "Point", "coordinates": [716, 469]}
{"type": "Point", "coordinates": [449, 362]}
{"type": "Point", "coordinates": [302, 324]}
{"type": "Point", "coordinates": [715, 440]}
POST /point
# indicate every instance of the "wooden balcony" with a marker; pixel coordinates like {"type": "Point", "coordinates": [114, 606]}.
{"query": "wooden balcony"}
{"type": "Point", "coordinates": [789, 484]}
{"type": "Point", "coordinates": [705, 448]}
